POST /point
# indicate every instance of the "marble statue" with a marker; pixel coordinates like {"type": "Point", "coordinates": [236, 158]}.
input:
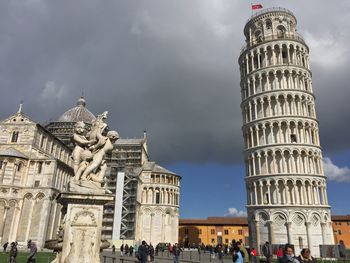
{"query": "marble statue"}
{"type": "Point", "coordinates": [89, 153]}
{"type": "Point", "coordinates": [79, 237]}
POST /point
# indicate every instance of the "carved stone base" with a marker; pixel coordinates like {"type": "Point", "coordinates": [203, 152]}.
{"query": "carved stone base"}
{"type": "Point", "coordinates": [85, 187]}
{"type": "Point", "coordinates": [82, 227]}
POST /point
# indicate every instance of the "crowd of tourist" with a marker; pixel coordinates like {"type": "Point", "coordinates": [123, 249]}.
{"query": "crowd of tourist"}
{"type": "Point", "coordinates": [12, 253]}
{"type": "Point", "coordinates": [240, 254]}
{"type": "Point", "coordinates": [284, 254]}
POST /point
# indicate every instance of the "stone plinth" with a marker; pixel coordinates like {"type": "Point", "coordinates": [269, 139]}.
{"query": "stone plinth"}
{"type": "Point", "coordinates": [82, 225]}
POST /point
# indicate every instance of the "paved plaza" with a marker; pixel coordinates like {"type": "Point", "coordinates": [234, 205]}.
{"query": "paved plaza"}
{"type": "Point", "coordinates": [166, 257]}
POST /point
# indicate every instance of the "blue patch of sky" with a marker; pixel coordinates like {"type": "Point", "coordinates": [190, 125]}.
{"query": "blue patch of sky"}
{"type": "Point", "coordinates": [210, 189]}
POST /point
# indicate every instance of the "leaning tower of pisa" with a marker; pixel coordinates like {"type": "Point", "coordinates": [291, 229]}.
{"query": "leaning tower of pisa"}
{"type": "Point", "coordinates": [286, 187]}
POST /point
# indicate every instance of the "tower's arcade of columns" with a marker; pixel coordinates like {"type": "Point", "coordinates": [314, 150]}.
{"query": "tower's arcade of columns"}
{"type": "Point", "coordinates": [285, 182]}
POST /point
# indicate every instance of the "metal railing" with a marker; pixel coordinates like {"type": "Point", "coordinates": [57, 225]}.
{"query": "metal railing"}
{"type": "Point", "coordinates": [272, 9]}
{"type": "Point", "coordinates": [295, 36]}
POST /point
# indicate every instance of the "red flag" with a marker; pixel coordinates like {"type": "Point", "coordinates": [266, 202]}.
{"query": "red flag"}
{"type": "Point", "coordinates": [258, 6]}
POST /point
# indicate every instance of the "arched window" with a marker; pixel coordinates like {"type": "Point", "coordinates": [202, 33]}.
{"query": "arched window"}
{"type": "Point", "coordinates": [14, 137]}
{"type": "Point", "coordinates": [301, 245]}
{"type": "Point", "coordinates": [19, 167]}
{"type": "Point", "coordinates": [157, 197]}
{"type": "Point", "coordinates": [268, 24]}
{"type": "Point", "coordinates": [281, 30]}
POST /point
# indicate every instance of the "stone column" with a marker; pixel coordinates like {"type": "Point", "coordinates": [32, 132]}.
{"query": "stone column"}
{"type": "Point", "coordinates": [261, 193]}
{"type": "Point", "coordinates": [257, 228]}
{"type": "Point", "coordinates": [257, 135]}
{"type": "Point", "coordinates": [253, 161]}
{"type": "Point", "coordinates": [307, 225]}
{"type": "Point", "coordinates": [255, 194]}
{"type": "Point", "coordinates": [323, 226]}
{"type": "Point", "coordinates": [259, 163]}
{"type": "Point", "coordinates": [6, 208]}
{"type": "Point", "coordinates": [272, 233]}
{"type": "Point", "coordinates": [264, 134]}
{"type": "Point", "coordinates": [289, 233]}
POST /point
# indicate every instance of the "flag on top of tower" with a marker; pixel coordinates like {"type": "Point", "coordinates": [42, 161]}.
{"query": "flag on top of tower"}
{"type": "Point", "coordinates": [257, 6]}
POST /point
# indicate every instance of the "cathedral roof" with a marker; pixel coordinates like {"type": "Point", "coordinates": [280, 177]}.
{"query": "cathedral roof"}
{"type": "Point", "coordinates": [78, 113]}
{"type": "Point", "coordinates": [152, 166]}
{"type": "Point", "coordinates": [130, 141]}
{"type": "Point", "coordinates": [13, 153]}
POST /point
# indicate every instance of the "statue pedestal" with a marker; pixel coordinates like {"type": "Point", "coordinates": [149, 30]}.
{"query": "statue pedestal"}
{"type": "Point", "coordinates": [82, 227]}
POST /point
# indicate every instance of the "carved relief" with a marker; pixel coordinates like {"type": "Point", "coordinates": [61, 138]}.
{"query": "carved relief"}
{"type": "Point", "coordinates": [84, 218]}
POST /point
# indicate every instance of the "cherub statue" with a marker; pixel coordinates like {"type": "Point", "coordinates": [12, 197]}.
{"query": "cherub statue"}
{"type": "Point", "coordinates": [80, 144]}
{"type": "Point", "coordinates": [100, 149]}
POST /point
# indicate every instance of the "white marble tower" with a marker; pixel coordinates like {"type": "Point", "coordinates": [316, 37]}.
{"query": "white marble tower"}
{"type": "Point", "coordinates": [286, 186]}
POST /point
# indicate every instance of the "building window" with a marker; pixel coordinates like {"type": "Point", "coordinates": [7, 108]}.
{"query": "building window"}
{"type": "Point", "coordinates": [226, 232]}
{"type": "Point", "coordinates": [42, 141]}
{"type": "Point", "coordinates": [293, 138]}
{"type": "Point", "coordinates": [339, 232]}
{"type": "Point", "coordinates": [14, 137]}
{"type": "Point", "coordinates": [212, 240]}
{"type": "Point", "coordinates": [1, 163]}
{"type": "Point", "coordinates": [157, 198]}
{"type": "Point", "coordinates": [226, 241]}
{"type": "Point", "coordinates": [19, 167]}
{"type": "Point", "coordinates": [240, 232]}
{"type": "Point", "coordinates": [347, 223]}
{"type": "Point", "coordinates": [40, 167]}
{"type": "Point", "coordinates": [36, 183]}
{"type": "Point", "coordinates": [212, 231]}
{"type": "Point", "coordinates": [200, 231]}
{"type": "Point", "coordinates": [301, 242]}
{"type": "Point", "coordinates": [186, 231]}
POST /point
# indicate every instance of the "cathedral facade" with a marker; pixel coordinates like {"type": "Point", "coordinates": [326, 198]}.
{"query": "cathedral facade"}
{"type": "Point", "coordinates": [286, 186]}
{"type": "Point", "coordinates": [35, 166]}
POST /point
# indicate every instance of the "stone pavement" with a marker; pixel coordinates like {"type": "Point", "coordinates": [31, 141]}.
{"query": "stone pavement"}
{"type": "Point", "coordinates": [165, 257]}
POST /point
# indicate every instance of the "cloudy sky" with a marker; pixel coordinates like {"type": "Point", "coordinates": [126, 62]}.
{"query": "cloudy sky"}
{"type": "Point", "coordinates": [170, 67]}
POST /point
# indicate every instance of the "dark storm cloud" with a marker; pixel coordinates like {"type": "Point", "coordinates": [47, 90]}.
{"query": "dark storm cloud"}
{"type": "Point", "coordinates": [169, 67]}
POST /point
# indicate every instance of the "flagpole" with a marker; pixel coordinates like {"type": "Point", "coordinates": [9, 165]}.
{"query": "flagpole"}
{"type": "Point", "coordinates": [251, 7]}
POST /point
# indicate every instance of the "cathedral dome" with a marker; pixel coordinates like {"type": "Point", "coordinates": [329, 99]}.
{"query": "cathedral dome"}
{"type": "Point", "coordinates": [78, 113]}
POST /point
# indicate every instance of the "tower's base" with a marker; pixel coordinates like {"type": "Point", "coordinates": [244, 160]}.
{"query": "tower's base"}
{"type": "Point", "coordinates": [303, 227]}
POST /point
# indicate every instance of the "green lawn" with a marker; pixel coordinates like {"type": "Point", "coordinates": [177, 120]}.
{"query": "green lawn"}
{"type": "Point", "coordinates": [41, 257]}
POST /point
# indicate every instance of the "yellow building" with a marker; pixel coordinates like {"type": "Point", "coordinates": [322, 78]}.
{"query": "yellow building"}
{"type": "Point", "coordinates": [341, 229]}
{"type": "Point", "coordinates": [213, 230]}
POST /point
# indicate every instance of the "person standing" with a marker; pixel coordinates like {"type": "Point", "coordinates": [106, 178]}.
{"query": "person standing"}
{"type": "Point", "coordinates": [131, 250]}
{"type": "Point", "coordinates": [219, 249]}
{"type": "Point", "coordinates": [176, 253]}
{"type": "Point", "coordinates": [33, 250]}
{"type": "Point", "coordinates": [305, 256]}
{"type": "Point", "coordinates": [244, 252]}
{"type": "Point", "coordinates": [288, 256]}
{"type": "Point", "coordinates": [267, 252]}
{"type": "Point", "coordinates": [253, 254]}
{"type": "Point", "coordinates": [113, 249]}
{"type": "Point", "coordinates": [237, 256]}
{"type": "Point", "coordinates": [126, 250]}
{"type": "Point", "coordinates": [122, 249]}
{"type": "Point", "coordinates": [13, 253]}
{"type": "Point", "coordinates": [142, 252]}
{"type": "Point", "coordinates": [279, 252]}
{"type": "Point", "coordinates": [151, 252]}
{"type": "Point", "coordinates": [5, 246]}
